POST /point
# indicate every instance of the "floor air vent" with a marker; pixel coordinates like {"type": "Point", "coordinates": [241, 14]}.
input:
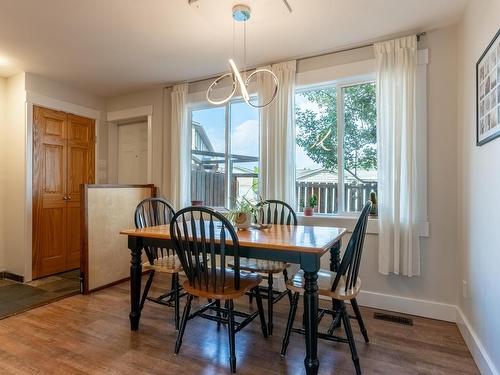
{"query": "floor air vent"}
{"type": "Point", "coordinates": [393, 319]}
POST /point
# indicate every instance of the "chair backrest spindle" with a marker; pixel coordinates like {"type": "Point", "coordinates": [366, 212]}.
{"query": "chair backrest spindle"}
{"type": "Point", "coordinates": [273, 211]}
{"type": "Point", "coordinates": [349, 266]}
{"type": "Point", "coordinates": [151, 212]}
{"type": "Point", "coordinates": [202, 236]}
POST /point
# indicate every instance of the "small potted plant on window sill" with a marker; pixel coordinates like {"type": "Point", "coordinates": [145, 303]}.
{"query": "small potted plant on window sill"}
{"type": "Point", "coordinates": [373, 199]}
{"type": "Point", "coordinates": [312, 203]}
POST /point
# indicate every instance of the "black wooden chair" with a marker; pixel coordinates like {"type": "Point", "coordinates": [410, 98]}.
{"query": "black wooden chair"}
{"type": "Point", "coordinates": [341, 286]}
{"type": "Point", "coordinates": [204, 239]}
{"type": "Point", "coordinates": [151, 212]}
{"type": "Point", "coordinates": [272, 211]}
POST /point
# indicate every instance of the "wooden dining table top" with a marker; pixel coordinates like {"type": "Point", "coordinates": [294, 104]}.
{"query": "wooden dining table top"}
{"type": "Point", "coordinates": [300, 238]}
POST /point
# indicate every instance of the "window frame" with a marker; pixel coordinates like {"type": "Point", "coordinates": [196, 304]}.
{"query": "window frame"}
{"type": "Point", "coordinates": [339, 85]}
{"type": "Point", "coordinates": [227, 143]}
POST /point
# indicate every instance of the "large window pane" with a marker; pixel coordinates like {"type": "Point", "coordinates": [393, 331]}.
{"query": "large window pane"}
{"type": "Point", "coordinates": [208, 161]}
{"type": "Point", "coordinates": [316, 148]}
{"type": "Point", "coordinates": [360, 145]}
{"type": "Point", "coordinates": [244, 159]}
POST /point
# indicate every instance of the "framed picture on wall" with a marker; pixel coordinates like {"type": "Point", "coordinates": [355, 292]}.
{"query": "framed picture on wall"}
{"type": "Point", "coordinates": [488, 93]}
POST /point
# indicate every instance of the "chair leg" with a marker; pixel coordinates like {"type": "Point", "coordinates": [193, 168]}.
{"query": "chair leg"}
{"type": "Point", "coordinates": [285, 278]}
{"type": "Point", "coordinates": [172, 283]}
{"type": "Point", "coordinates": [260, 308]}
{"type": "Point", "coordinates": [185, 317]}
{"type": "Point", "coordinates": [147, 287]}
{"type": "Point", "coordinates": [175, 285]}
{"type": "Point", "coordinates": [217, 303]}
{"type": "Point", "coordinates": [359, 318]}
{"type": "Point", "coordinates": [337, 320]}
{"type": "Point", "coordinates": [289, 324]}
{"type": "Point", "coordinates": [230, 325]}
{"type": "Point", "coordinates": [250, 298]}
{"type": "Point", "coordinates": [350, 338]}
{"type": "Point", "coordinates": [270, 303]}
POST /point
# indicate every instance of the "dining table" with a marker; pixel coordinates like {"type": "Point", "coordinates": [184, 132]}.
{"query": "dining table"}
{"type": "Point", "coordinates": [304, 245]}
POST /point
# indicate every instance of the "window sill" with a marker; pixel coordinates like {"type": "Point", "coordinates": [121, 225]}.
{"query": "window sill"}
{"type": "Point", "coordinates": [342, 221]}
{"type": "Point", "coordinates": [348, 222]}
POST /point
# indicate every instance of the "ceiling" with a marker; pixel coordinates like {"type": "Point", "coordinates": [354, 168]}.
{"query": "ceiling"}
{"type": "Point", "coordinates": [109, 47]}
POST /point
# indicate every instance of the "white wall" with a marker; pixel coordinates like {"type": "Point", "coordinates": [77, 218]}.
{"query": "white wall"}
{"type": "Point", "coordinates": [13, 137]}
{"type": "Point", "coordinates": [3, 83]}
{"type": "Point", "coordinates": [478, 197]}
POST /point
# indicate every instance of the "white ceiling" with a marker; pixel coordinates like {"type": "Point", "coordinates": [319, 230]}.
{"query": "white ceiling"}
{"type": "Point", "coordinates": [114, 46]}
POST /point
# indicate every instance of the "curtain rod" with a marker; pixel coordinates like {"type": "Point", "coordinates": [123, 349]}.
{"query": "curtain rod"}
{"type": "Point", "coordinates": [198, 80]}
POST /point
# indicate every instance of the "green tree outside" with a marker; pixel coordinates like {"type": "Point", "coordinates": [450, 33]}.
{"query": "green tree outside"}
{"type": "Point", "coordinates": [317, 132]}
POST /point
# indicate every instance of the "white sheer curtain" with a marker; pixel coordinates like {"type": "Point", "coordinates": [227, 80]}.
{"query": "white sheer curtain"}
{"type": "Point", "coordinates": [277, 135]}
{"type": "Point", "coordinates": [179, 147]}
{"type": "Point", "coordinates": [399, 241]}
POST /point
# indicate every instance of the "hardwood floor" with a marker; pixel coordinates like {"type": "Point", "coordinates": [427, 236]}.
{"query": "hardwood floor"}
{"type": "Point", "coordinates": [91, 335]}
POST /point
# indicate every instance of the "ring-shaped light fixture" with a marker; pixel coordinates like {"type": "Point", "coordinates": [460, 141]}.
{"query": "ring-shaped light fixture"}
{"type": "Point", "coordinates": [237, 80]}
{"type": "Point", "coordinates": [214, 85]}
{"type": "Point", "coordinates": [241, 13]}
{"type": "Point", "coordinates": [276, 87]}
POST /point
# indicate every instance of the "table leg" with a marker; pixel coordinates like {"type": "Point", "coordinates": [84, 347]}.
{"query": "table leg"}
{"type": "Point", "coordinates": [135, 246]}
{"type": "Point", "coordinates": [311, 302]}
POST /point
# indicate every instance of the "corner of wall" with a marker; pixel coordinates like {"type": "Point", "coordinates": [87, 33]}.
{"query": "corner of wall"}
{"type": "Point", "coordinates": [14, 179]}
{"type": "Point", "coordinates": [3, 83]}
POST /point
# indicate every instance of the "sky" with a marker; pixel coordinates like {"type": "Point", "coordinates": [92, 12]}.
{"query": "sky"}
{"type": "Point", "coordinates": [245, 130]}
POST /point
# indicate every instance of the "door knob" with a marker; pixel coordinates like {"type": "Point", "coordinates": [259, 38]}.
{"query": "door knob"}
{"type": "Point", "coordinates": [68, 197]}
{"type": "Point", "coordinates": [65, 198]}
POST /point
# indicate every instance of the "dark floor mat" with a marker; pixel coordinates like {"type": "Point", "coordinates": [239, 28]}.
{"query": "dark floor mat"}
{"type": "Point", "coordinates": [18, 297]}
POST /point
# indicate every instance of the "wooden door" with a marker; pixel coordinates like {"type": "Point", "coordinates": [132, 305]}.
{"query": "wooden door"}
{"type": "Point", "coordinates": [81, 140]}
{"type": "Point", "coordinates": [62, 158]}
{"type": "Point", "coordinates": [133, 153]}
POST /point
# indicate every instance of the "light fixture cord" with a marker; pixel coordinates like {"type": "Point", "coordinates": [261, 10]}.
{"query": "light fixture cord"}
{"type": "Point", "coordinates": [234, 38]}
{"type": "Point", "coordinates": [245, 49]}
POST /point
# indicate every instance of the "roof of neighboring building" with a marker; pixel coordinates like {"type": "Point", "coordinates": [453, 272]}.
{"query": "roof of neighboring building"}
{"type": "Point", "coordinates": [200, 131]}
{"type": "Point", "coordinates": [323, 175]}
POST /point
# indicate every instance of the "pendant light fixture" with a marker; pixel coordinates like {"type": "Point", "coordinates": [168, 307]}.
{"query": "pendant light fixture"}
{"type": "Point", "coordinates": [241, 13]}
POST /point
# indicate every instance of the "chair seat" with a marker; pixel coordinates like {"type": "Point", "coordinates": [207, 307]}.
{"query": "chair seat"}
{"type": "Point", "coordinates": [248, 281]}
{"type": "Point", "coordinates": [262, 266]}
{"type": "Point", "coordinates": [167, 264]}
{"type": "Point", "coordinates": [325, 281]}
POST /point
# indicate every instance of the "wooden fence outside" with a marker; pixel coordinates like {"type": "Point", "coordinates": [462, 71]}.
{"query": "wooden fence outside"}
{"type": "Point", "coordinates": [355, 195]}
{"type": "Point", "coordinates": [210, 188]}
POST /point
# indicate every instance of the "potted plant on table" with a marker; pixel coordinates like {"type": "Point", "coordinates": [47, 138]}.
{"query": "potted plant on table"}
{"type": "Point", "coordinates": [312, 203]}
{"type": "Point", "coordinates": [243, 212]}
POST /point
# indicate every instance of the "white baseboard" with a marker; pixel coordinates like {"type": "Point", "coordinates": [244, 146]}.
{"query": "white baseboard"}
{"type": "Point", "coordinates": [410, 306]}
{"type": "Point", "coordinates": [481, 357]}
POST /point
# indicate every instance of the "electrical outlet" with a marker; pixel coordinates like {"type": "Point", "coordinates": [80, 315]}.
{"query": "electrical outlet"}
{"type": "Point", "coordinates": [464, 288]}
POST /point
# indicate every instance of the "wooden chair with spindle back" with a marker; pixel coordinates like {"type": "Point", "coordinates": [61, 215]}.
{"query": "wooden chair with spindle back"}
{"type": "Point", "coordinates": [271, 211]}
{"type": "Point", "coordinates": [151, 212]}
{"type": "Point", "coordinates": [204, 240]}
{"type": "Point", "coordinates": [340, 286]}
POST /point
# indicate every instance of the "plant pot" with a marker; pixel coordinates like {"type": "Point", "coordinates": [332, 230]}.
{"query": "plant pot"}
{"type": "Point", "coordinates": [308, 211]}
{"type": "Point", "coordinates": [243, 220]}
{"type": "Point", "coordinates": [196, 203]}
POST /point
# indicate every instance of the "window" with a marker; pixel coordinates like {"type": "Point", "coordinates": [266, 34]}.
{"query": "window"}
{"type": "Point", "coordinates": [224, 153]}
{"type": "Point", "coordinates": [340, 174]}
